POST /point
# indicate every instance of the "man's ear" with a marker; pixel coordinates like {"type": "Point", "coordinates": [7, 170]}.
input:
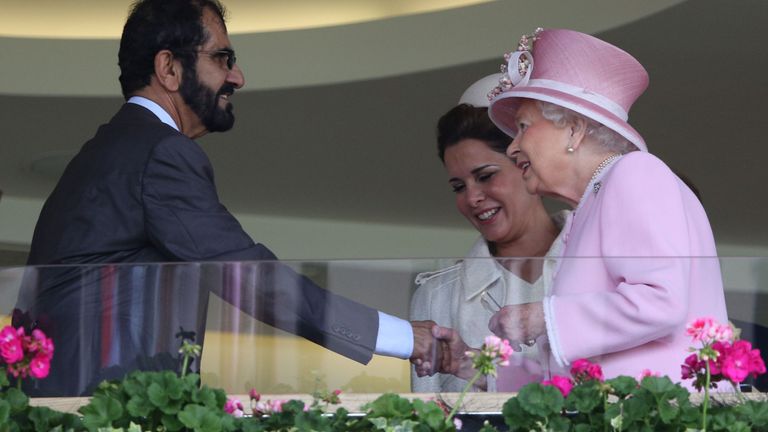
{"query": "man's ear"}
{"type": "Point", "coordinates": [578, 132]}
{"type": "Point", "coordinates": [167, 70]}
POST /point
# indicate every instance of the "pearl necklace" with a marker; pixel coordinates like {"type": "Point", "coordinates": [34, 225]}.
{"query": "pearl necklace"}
{"type": "Point", "coordinates": [600, 168]}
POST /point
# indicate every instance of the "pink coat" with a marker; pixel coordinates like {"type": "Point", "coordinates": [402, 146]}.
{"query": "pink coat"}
{"type": "Point", "coordinates": [639, 262]}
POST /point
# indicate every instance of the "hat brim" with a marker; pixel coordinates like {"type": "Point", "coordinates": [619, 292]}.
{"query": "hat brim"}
{"type": "Point", "coordinates": [504, 108]}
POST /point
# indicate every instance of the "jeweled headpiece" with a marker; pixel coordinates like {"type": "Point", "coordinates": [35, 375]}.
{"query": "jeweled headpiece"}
{"type": "Point", "coordinates": [520, 62]}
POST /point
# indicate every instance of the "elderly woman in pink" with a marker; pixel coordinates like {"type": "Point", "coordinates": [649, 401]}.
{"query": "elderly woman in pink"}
{"type": "Point", "coordinates": [632, 273]}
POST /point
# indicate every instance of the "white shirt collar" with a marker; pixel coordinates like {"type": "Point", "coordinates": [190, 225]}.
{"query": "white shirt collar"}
{"type": "Point", "coordinates": [156, 110]}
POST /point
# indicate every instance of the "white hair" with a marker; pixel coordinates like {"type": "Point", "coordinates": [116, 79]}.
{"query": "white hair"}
{"type": "Point", "coordinates": [607, 138]}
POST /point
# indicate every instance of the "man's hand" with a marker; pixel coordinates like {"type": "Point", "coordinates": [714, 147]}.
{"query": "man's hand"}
{"type": "Point", "coordinates": [455, 358]}
{"type": "Point", "coordinates": [427, 351]}
{"type": "Point", "coordinates": [520, 324]}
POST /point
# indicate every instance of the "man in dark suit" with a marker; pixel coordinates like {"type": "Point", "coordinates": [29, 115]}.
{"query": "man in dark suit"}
{"type": "Point", "coordinates": [142, 191]}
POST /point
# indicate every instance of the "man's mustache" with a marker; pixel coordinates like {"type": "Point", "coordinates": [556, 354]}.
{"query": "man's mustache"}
{"type": "Point", "coordinates": [226, 89]}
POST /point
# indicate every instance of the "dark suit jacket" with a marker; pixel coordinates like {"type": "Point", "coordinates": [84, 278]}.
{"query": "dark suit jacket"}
{"type": "Point", "coordinates": [141, 192]}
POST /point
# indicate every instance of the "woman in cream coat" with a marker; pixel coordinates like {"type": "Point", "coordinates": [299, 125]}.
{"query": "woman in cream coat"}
{"type": "Point", "coordinates": [512, 223]}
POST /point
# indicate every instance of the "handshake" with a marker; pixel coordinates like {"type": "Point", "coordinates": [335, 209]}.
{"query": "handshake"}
{"type": "Point", "coordinates": [438, 349]}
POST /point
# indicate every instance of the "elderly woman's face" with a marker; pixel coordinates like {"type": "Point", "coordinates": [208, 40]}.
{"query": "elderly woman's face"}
{"type": "Point", "coordinates": [540, 150]}
{"type": "Point", "coordinates": [489, 190]}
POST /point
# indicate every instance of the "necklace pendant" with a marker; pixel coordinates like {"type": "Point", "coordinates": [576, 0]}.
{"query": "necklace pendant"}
{"type": "Point", "coordinates": [597, 184]}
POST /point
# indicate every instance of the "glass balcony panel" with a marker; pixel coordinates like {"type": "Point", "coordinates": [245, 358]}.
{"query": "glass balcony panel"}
{"type": "Point", "coordinates": [255, 326]}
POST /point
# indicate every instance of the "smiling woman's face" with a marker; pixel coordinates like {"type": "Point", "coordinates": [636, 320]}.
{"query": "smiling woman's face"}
{"type": "Point", "coordinates": [540, 151]}
{"type": "Point", "coordinates": [489, 190]}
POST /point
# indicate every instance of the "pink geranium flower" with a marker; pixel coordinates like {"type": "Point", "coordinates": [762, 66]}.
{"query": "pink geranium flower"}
{"type": "Point", "coordinates": [233, 407]}
{"type": "Point", "coordinates": [691, 366]}
{"type": "Point", "coordinates": [26, 355]}
{"type": "Point", "coordinates": [740, 361]}
{"type": "Point", "coordinates": [18, 370]}
{"type": "Point", "coordinates": [724, 333]}
{"type": "Point", "coordinates": [11, 344]}
{"type": "Point", "coordinates": [12, 351]}
{"type": "Point", "coordinates": [564, 384]}
{"type": "Point", "coordinates": [498, 348]}
{"type": "Point", "coordinates": [699, 329]}
{"type": "Point", "coordinates": [707, 330]}
{"type": "Point", "coordinates": [584, 370]}
{"type": "Point", "coordinates": [277, 406]}
{"type": "Point", "coordinates": [648, 373]}
{"type": "Point", "coordinates": [725, 356]}
{"type": "Point", "coordinates": [269, 407]}
{"type": "Point", "coordinates": [40, 344]}
{"type": "Point", "coordinates": [40, 366]}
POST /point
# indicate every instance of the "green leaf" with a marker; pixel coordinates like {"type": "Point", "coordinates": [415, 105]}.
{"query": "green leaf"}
{"type": "Point", "coordinates": [379, 422]}
{"type": "Point", "coordinates": [553, 424]}
{"type": "Point", "coordinates": [43, 418]}
{"type": "Point", "coordinates": [659, 385]}
{"type": "Point", "coordinates": [636, 409]}
{"type": "Point", "coordinates": [719, 420]}
{"type": "Point", "coordinates": [252, 426]}
{"type": "Point", "coordinates": [516, 417]}
{"type": "Point", "coordinates": [206, 397]}
{"type": "Point", "coordinates": [157, 395]}
{"type": "Point", "coordinates": [310, 421]}
{"type": "Point", "coordinates": [175, 388]}
{"type": "Point", "coordinates": [172, 422]}
{"type": "Point", "coordinates": [668, 411]}
{"type": "Point", "coordinates": [757, 412]}
{"type": "Point", "coordinates": [583, 427]}
{"type": "Point", "coordinates": [101, 411]}
{"type": "Point", "coordinates": [585, 397]}
{"type": "Point", "coordinates": [211, 423]}
{"type": "Point", "coordinates": [139, 406]}
{"type": "Point", "coordinates": [739, 426]}
{"type": "Point", "coordinates": [5, 411]}
{"type": "Point", "coordinates": [390, 405]}
{"type": "Point", "coordinates": [539, 400]}
{"type": "Point", "coordinates": [133, 386]}
{"type": "Point", "coordinates": [430, 413]}
{"type": "Point", "coordinates": [622, 386]}
{"type": "Point", "coordinates": [194, 416]}
{"type": "Point", "coordinates": [17, 399]}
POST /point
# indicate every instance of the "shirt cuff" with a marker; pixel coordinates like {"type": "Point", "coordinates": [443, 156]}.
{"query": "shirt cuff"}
{"type": "Point", "coordinates": [395, 338]}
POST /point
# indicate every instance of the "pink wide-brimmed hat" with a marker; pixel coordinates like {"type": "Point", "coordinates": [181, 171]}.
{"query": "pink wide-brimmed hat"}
{"type": "Point", "coordinates": [576, 71]}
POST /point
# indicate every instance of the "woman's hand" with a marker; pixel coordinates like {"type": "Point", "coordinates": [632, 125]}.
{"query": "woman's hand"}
{"type": "Point", "coordinates": [520, 324]}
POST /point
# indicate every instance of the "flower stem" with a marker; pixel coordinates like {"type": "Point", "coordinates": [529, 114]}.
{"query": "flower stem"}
{"type": "Point", "coordinates": [184, 365]}
{"type": "Point", "coordinates": [18, 383]}
{"type": "Point", "coordinates": [461, 398]}
{"type": "Point", "coordinates": [706, 399]}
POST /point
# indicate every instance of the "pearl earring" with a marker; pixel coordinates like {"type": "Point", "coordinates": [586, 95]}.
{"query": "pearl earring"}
{"type": "Point", "coordinates": [569, 149]}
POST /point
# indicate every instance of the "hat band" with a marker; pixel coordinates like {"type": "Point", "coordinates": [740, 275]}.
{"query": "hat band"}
{"type": "Point", "coordinates": [581, 93]}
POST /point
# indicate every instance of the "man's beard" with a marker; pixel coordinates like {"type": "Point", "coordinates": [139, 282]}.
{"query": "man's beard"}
{"type": "Point", "coordinates": [205, 103]}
